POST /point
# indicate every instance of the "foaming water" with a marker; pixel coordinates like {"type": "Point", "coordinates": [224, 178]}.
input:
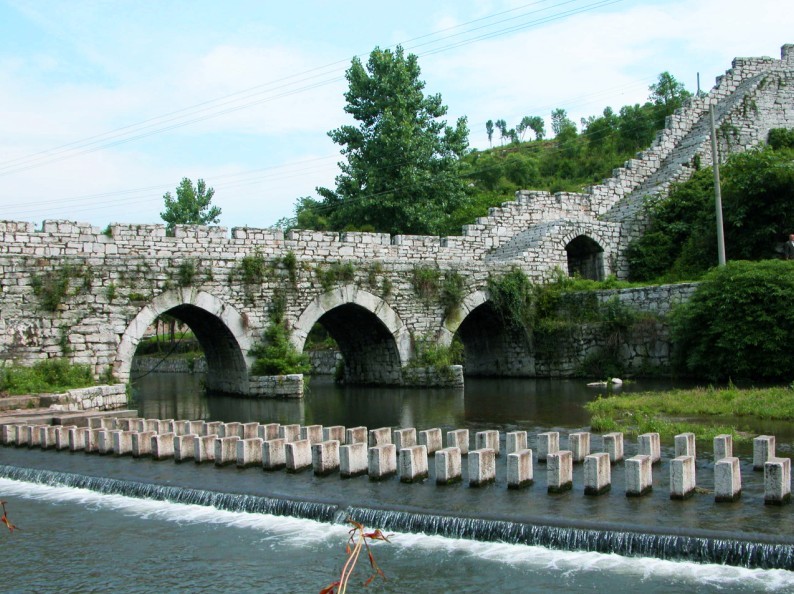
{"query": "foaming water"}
{"type": "Point", "coordinates": [411, 559]}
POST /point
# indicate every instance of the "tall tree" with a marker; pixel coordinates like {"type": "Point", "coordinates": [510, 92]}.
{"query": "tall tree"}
{"type": "Point", "coordinates": [667, 95]}
{"type": "Point", "coordinates": [190, 207]}
{"type": "Point", "coordinates": [402, 173]}
{"type": "Point", "coordinates": [489, 131]}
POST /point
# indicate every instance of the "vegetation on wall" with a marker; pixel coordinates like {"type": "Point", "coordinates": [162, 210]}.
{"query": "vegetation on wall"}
{"type": "Point", "coordinates": [53, 287]}
{"type": "Point", "coordinates": [739, 323]}
{"type": "Point", "coordinates": [275, 354]}
{"type": "Point", "coordinates": [758, 213]}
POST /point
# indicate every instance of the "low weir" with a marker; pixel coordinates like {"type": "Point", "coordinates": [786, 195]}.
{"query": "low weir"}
{"type": "Point", "coordinates": [380, 461]}
{"type": "Point", "coordinates": [756, 551]}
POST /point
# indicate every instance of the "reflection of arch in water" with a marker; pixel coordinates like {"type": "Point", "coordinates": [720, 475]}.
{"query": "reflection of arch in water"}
{"type": "Point", "coordinates": [585, 258]}
{"type": "Point", "coordinates": [219, 329]}
{"type": "Point", "coordinates": [490, 348]}
{"type": "Point", "coordinates": [373, 340]}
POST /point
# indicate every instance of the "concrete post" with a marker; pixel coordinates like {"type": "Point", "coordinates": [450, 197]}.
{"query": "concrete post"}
{"type": "Point", "coordinates": [519, 469]}
{"type": "Point", "coordinates": [77, 438]}
{"type": "Point", "coordinates": [34, 436]}
{"type": "Point", "coordinates": [205, 448]}
{"type": "Point", "coordinates": [122, 443]}
{"type": "Point", "coordinates": [613, 445]}
{"type": "Point", "coordinates": [723, 447]}
{"type": "Point", "coordinates": [62, 437]}
{"type": "Point", "coordinates": [23, 434]}
{"type": "Point", "coordinates": [226, 449]}
{"type": "Point", "coordinates": [649, 446]}
{"type": "Point", "coordinates": [777, 481]}
{"type": "Point", "coordinates": [138, 425]}
{"type": "Point", "coordinates": [105, 442]}
{"type": "Point", "coordinates": [727, 480]}
{"type": "Point", "coordinates": [314, 433]}
{"type": "Point", "coordinates": [196, 428]}
{"type": "Point", "coordinates": [381, 436]}
{"type": "Point", "coordinates": [108, 423]}
{"type": "Point", "coordinates": [448, 466]}
{"type": "Point", "coordinates": [382, 461]}
{"type": "Point", "coordinates": [763, 450]}
{"type": "Point", "coordinates": [487, 440]}
{"type": "Point", "coordinates": [482, 467]}
{"type": "Point", "coordinates": [141, 443]}
{"type": "Point", "coordinates": [682, 477]}
{"type": "Point", "coordinates": [289, 433]}
{"type": "Point", "coordinates": [579, 444]}
{"type": "Point", "coordinates": [249, 452]}
{"type": "Point", "coordinates": [353, 460]}
{"type": "Point", "coordinates": [685, 445]}
{"type": "Point", "coordinates": [356, 435]}
{"type": "Point", "coordinates": [325, 457]}
{"type": "Point", "coordinates": [95, 422]}
{"type": "Point", "coordinates": [413, 464]}
{"type": "Point", "coordinates": [431, 439]}
{"type": "Point", "coordinates": [181, 428]}
{"type": "Point", "coordinates": [559, 471]}
{"type": "Point", "coordinates": [250, 431]}
{"type": "Point", "coordinates": [8, 434]}
{"type": "Point", "coordinates": [404, 438]}
{"type": "Point", "coordinates": [548, 443]}
{"type": "Point", "coordinates": [334, 433]}
{"type": "Point", "coordinates": [47, 437]}
{"type": "Point", "coordinates": [152, 425]}
{"type": "Point", "coordinates": [92, 441]}
{"type": "Point", "coordinates": [639, 477]}
{"type": "Point", "coordinates": [274, 454]}
{"type": "Point", "coordinates": [163, 446]}
{"type": "Point", "coordinates": [185, 447]}
{"type": "Point", "coordinates": [516, 441]}
{"type": "Point", "coordinates": [299, 455]}
{"type": "Point", "coordinates": [268, 432]}
{"type": "Point", "coordinates": [459, 438]}
{"type": "Point", "coordinates": [597, 474]}
{"type": "Point", "coordinates": [165, 426]}
{"type": "Point", "coordinates": [232, 429]}
{"type": "Point", "coordinates": [212, 428]}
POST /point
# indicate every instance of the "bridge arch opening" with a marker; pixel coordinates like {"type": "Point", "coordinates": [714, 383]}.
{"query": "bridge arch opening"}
{"type": "Point", "coordinates": [217, 328]}
{"type": "Point", "coordinates": [490, 347]}
{"type": "Point", "coordinates": [585, 258]}
{"type": "Point", "coordinates": [370, 336]}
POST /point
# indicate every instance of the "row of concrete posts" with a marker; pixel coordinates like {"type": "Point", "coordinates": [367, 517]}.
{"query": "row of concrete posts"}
{"type": "Point", "coordinates": [385, 452]}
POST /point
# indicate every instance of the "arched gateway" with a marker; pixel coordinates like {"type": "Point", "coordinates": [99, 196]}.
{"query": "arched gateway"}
{"type": "Point", "coordinates": [219, 329]}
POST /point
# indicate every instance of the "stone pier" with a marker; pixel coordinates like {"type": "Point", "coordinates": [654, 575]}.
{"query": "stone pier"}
{"type": "Point", "coordinates": [597, 474]}
{"type": "Point", "coordinates": [727, 480]}
{"type": "Point", "coordinates": [274, 454]}
{"type": "Point", "coordinates": [382, 461]}
{"type": "Point", "coordinates": [482, 467]}
{"type": "Point", "coordinates": [639, 475]}
{"type": "Point", "coordinates": [777, 481]}
{"type": "Point", "coordinates": [559, 471]}
{"type": "Point", "coordinates": [353, 460]}
{"type": "Point", "coordinates": [613, 445]}
{"type": "Point", "coordinates": [325, 457]}
{"type": "Point", "coordinates": [413, 464]}
{"type": "Point", "coordinates": [431, 439]}
{"type": "Point", "coordinates": [548, 443]}
{"type": "Point", "coordinates": [649, 445]}
{"type": "Point", "coordinates": [763, 450]}
{"type": "Point", "coordinates": [519, 469]}
{"type": "Point", "coordinates": [448, 466]}
{"type": "Point", "coordinates": [682, 477]}
{"type": "Point", "coordinates": [459, 438]}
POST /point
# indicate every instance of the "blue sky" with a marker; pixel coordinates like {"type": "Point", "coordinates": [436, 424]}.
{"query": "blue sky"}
{"type": "Point", "coordinates": [107, 104]}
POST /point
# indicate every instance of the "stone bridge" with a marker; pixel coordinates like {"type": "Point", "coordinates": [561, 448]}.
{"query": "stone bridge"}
{"type": "Point", "coordinates": [70, 289]}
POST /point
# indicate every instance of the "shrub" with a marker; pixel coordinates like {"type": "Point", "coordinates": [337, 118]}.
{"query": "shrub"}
{"type": "Point", "coordinates": [334, 273]}
{"type": "Point", "coordinates": [453, 290]}
{"type": "Point", "coordinates": [275, 354]}
{"type": "Point", "coordinates": [186, 273]}
{"type": "Point", "coordinates": [739, 323]}
{"type": "Point", "coordinates": [426, 281]}
{"type": "Point", "coordinates": [49, 375]}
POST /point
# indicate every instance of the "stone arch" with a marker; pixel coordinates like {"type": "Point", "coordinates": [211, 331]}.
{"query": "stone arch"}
{"type": "Point", "coordinates": [218, 327]}
{"type": "Point", "coordinates": [587, 253]}
{"type": "Point", "coordinates": [374, 341]}
{"type": "Point", "coordinates": [490, 348]}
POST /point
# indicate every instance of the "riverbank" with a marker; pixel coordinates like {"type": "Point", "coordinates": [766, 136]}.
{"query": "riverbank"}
{"type": "Point", "coordinates": [706, 412]}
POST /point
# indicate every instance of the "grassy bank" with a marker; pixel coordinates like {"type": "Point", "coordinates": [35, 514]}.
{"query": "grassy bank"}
{"type": "Point", "coordinates": [47, 376]}
{"type": "Point", "coordinates": [706, 412]}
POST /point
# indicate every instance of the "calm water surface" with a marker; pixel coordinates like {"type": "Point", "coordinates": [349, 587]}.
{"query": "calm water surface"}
{"type": "Point", "coordinates": [81, 541]}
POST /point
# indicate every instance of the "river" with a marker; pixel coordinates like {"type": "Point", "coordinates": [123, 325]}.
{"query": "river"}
{"type": "Point", "coordinates": [83, 540]}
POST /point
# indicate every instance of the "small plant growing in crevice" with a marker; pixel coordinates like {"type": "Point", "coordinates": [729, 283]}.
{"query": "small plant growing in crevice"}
{"type": "Point", "coordinates": [335, 273]}
{"type": "Point", "coordinates": [251, 269]}
{"type": "Point", "coordinates": [375, 269]}
{"type": "Point", "coordinates": [453, 290]}
{"type": "Point", "coordinates": [186, 273]}
{"type": "Point", "coordinates": [426, 283]}
{"type": "Point", "coordinates": [290, 262]}
{"type": "Point", "coordinates": [110, 292]}
{"type": "Point", "coordinates": [63, 341]}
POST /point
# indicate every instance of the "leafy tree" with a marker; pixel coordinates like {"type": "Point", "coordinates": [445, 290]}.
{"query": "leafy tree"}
{"type": "Point", "coordinates": [489, 131]}
{"type": "Point", "coordinates": [561, 123]}
{"type": "Point", "coordinates": [738, 323]}
{"type": "Point", "coordinates": [190, 207]}
{"type": "Point", "coordinates": [538, 126]}
{"type": "Point", "coordinates": [501, 125]}
{"type": "Point", "coordinates": [402, 173]}
{"type": "Point", "coordinates": [667, 95]}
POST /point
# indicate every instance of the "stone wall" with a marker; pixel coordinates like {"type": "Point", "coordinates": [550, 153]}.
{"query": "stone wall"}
{"type": "Point", "coordinates": [92, 398]}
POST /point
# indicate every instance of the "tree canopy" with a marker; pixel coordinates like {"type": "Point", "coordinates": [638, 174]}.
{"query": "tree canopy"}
{"type": "Point", "coordinates": [191, 205]}
{"type": "Point", "coordinates": [402, 169]}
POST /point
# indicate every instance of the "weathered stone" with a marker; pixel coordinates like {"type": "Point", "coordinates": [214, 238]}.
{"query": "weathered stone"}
{"type": "Point", "coordinates": [299, 455]}
{"type": "Point", "coordinates": [548, 443]}
{"type": "Point", "coordinates": [682, 477]}
{"type": "Point", "coordinates": [649, 445]}
{"type": "Point", "coordinates": [482, 467]}
{"type": "Point", "coordinates": [684, 445]}
{"type": "Point", "coordinates": [613, 445]}
{"type": "Point", "coordinates": [727, 480]}
{"type": "Point", "coordinates": [382, 461]}
{"type": "Point", "coordinates": [597, 474]}
{"type": "Point", "coordinates": [487, 440]}
{"type": "Point", "coordinates": [559, 471]}
{"type": "Point", "coordinates": [763, 450]}
{"type": "Point", "coordinates": [723, 447]}
{"type": "Point", "coordinates": [205, 448]}
{"type": "Point", "coordinates": [413, 463]}
{"type": "Point", "coordinates": [579, 445]}
{"type": "Point", "coordinates": [353, 460]}
{"type": "Point", "coordinates": [404, 438]}
{"type": "Point", "coordinates": [639, 477]}
{"type": "Point", "coordinates": [448, 466]}
{"type": "Point", "coordinates": [249, 452]}
{"type": "Point", "coordinates": [356, 435]}
{"type": "Point", "coordinates": [334, 433]}
{"type": "Point", "coordinates": [185, 447]}
{"type": "Point", "coordinates": [380, 436]}
{"type": "Point", "coordinates": [325, 457]}
{"type": "Point", "coordinates": [162, 446]}
{"type": "Point", "coordinates": [141, 443]}
{"type": "Point", "coordinates": [431, 439]}
{"type": "Point", "coordinates": [519, 469]}
{"type": "Point", "coordinates": [459, 438]}
{"type": "Point", "coordinates": [516, 441]}
{"type": "Point", "coordinates": [274, 454]}
{"type": "Point", "coordinates": [314, 433]}
{"type": "Point", "coordinates": [777, 481]}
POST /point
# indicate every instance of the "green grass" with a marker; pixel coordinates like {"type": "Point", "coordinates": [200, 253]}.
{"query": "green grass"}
{"type": "Point", "coordinates": [705, 412]}
{"type": "Point", "coordinates": [50, 375]}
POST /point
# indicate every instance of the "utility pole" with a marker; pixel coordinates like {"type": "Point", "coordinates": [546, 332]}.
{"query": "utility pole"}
{"type": "Point", "coordinates": [717, 192]}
